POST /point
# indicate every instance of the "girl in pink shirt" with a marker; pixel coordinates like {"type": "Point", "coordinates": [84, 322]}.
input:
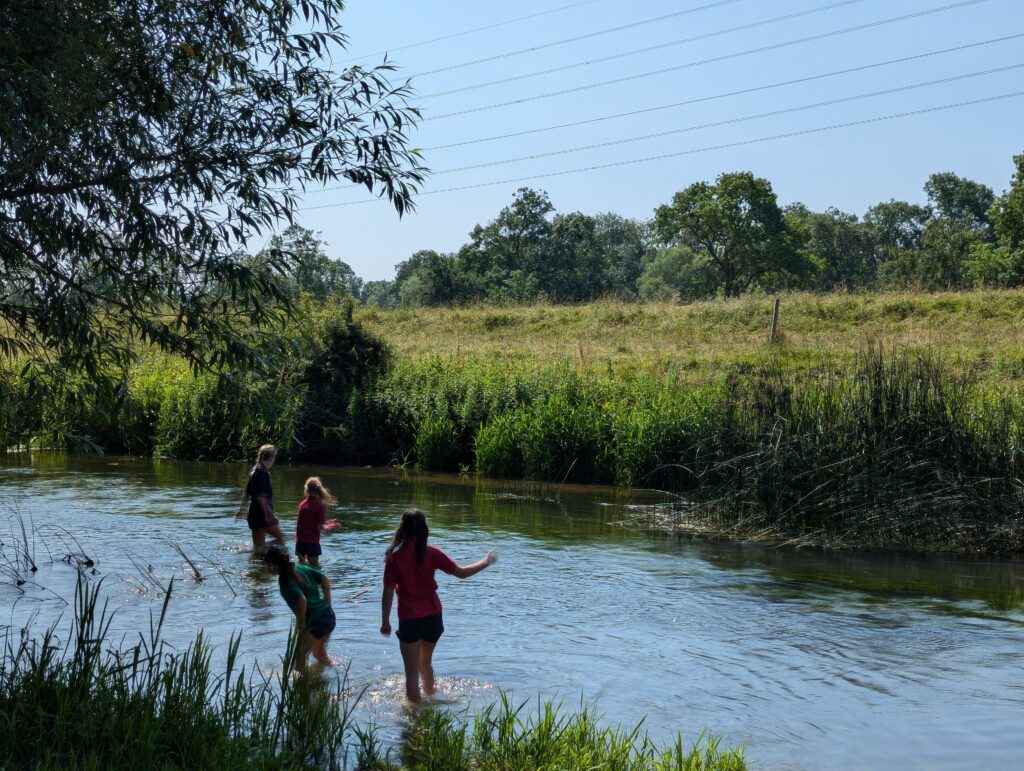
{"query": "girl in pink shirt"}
{"type": "Point", "coordinates": [312, 517]}
{"type": "Point", "coordinates": [409, 566]}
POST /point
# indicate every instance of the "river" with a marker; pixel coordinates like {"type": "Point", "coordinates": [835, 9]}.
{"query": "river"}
{"type": "Point", "coordinates": [814, 660]}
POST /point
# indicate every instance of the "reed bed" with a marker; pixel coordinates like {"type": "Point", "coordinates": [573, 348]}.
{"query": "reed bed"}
{"type": "Point", "coordinates": [896, 450]}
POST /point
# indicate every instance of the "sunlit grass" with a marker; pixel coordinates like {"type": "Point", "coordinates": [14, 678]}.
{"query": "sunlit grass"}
{"type": "Point", "coordinates": [981, 328]}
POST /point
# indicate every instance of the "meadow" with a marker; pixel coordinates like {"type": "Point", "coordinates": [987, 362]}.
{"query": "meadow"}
{"type": "Point", "coordinates": [978, 329]}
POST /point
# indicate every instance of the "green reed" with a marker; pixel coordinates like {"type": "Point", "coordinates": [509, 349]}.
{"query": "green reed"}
{"type": "Point", "coordinates": [81, 703]}
{"type": "Point", "coordinates": [508, 736]}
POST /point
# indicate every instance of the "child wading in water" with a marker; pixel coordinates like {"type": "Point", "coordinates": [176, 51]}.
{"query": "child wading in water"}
{"type": "Point", "coordinates": [409, 567]}
{"type": "Point", "coordinates": [308, 593]}
{"type": "Point", "coordinates": [259, 492]}
{"type": "Point", "coordinates": [312, 517]}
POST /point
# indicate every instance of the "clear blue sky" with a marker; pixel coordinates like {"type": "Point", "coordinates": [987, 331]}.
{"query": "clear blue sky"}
{"type": "Point", "coordinates": [850, 168]}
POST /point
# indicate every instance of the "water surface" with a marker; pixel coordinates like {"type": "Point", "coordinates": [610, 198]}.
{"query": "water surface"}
{"type": "Point", "coordinates": [813, 660]}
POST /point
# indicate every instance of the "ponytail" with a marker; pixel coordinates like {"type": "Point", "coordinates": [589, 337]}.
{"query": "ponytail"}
{"type": "Point", "coordinates": [413, 527]}
{"type": "Point", "coordinates": [314, 488]}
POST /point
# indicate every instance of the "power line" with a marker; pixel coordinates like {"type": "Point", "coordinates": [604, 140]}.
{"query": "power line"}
{"type": "Point", "coordinates": [713, 97]}
{"type": "Point", "coordinates": [712, 60]}
{"type": "Point", "coordinates": [727, 145]}
{"type": "Point", "coordinates": [730, 121]}
{"type": "Point", "coordinates": [565, 41]}
{"type": "Point", "coordinates": [472, 31]}
{"type": "Point", "coordinates": [648, 49]}
{"type": "Point", "coordinates": [726, 94]}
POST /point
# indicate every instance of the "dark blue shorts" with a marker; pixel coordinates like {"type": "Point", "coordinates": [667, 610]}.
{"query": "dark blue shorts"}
{"type": "Point", "coordinates": [429, 628]}
{"type": "Point", "coordinates": [305, 549]}
{"type": "Point", "coordinates": [323, 624]}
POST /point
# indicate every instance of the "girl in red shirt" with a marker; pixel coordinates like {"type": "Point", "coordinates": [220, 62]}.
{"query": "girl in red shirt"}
{"type": "Point", "coordinates": [409, 567]}
{"type": "Point", "coordinates": [311, 519]}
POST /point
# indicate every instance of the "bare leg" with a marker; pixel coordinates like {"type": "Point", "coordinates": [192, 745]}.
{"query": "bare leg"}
{"type": "Point", "coordinates": [319, 650]}
{"type": "Point", "coordinates": [275, 531]}
{"type": "Point", "coordinates": [259, 539]}
{"type": "Point", "coordinates": [410, 657]}
{"type": "Point", "coordinates": [427, 666]}
{"type": "Point", "coordinates": [303, 559]}
{"type": "Point", "coordinates": [301, 651]}
{"type": "Point", "coordinates": [313, 561]}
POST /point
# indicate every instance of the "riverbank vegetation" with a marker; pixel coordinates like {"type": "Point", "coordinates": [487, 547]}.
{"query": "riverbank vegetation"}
{"type": "Point", "coordinates": [85, 704]}
{"type": "Point", "coordinates": [835, 434]}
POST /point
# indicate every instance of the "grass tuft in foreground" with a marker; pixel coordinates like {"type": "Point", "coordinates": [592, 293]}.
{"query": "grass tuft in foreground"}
{"type": "Point", "coordinates": [83, 704]}
{"type": "Point", "coordinates": [505, 736]}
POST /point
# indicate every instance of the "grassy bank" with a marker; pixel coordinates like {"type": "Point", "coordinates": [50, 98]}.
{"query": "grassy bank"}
{"type": "Point", "coordinates": [84, 704]}
{"type": "Point", "coordinates": [894, 421]}
{"type": "Point", "coordinates": [976, 329]}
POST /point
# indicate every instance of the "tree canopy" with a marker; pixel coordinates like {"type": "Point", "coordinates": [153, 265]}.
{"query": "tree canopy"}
{"type": "Point", "coordinates": [146, 146]}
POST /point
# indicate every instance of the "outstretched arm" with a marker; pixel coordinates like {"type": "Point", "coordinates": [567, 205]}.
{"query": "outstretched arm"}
{"type": "Point", "coordinates": [385, 610]}
{"type": "Point", "coordinates": [465, 571]}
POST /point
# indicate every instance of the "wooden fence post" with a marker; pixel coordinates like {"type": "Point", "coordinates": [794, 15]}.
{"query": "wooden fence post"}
{"type": "Point", "coordinates": [775, 322]}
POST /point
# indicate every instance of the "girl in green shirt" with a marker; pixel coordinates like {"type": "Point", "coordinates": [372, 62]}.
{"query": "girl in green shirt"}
{"type": "Point", "coordinates": [308, 593]}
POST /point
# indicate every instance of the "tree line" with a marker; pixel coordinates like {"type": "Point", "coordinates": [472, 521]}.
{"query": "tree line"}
{"type": "Point", "coordinates": [721, 238]}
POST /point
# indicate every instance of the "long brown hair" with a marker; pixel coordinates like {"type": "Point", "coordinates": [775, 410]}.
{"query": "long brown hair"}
{"type": "Point", "coordinates": [279, 556]}
{"type": "Point", "coordinates": [413, 527]}
{"type": "Point", "coordinates": [314, 488]}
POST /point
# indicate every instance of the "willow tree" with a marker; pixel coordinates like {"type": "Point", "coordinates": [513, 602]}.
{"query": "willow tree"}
{"type": "Point", "coordinates": [146, 146]}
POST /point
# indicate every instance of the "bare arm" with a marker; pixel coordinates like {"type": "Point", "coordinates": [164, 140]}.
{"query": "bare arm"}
{"type": "Point", "coordinates": [243, 507]}
{"type": "Point", "coordinates": [300, 615]}
{"type": "Point", "coordinates": [465, 571]}
{"type": "Point", "coordinates": [325, 584]}
{"type": "Point", "coordinates": [385, 610]}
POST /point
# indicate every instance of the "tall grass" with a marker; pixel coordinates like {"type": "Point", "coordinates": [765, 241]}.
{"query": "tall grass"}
{"type": "Point", "coordinates": [506, 736]}
{"type": "Point", "coordinates": [84, 704]}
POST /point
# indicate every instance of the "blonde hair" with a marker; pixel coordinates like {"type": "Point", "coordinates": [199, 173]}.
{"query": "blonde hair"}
{"type": "Point", "coordinates": [314, 488]}
{"type": "Point", "coordinates": [266, 452]}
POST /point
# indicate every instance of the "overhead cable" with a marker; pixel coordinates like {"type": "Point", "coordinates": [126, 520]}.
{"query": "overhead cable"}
{"type": "Point", "coordinates": [739, 92]}
{"type": "Point", "coordinates": [730, 121]}
{"type": "Point", "coordinates": [666, 156]}
{"type": "Point", "coordinates": [712, 60]}
{"type": "Point", "coordinates": [472, 31]}
{"type": "Point", "coordinates": [648, 49]}
{"type": "Point", "coordinates": [576, 39]}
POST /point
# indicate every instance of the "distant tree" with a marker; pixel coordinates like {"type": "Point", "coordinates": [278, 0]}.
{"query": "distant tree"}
{"type": "Point", "coordinates": [1007, 213]}
{"type": "Point", "coordinates": [1002, 265]}
{"type": "Point", "coordinates": [840, 245]}
{"type": "Point", "coordinates": [623, 242]}
{"type": "Point", "coordinates": [961, 201]}
{"type": "Point", "coordinates": [897, 230]}
{"type": "Point", "coordinates": [736, 225]}
{"type": "Point", "coordinates": [383, 294]}
{"type": "Point", "coordinates": [578, 268]}
{"type": "Point", "coordinates": [511, 255]}
{"type": "Point", "coordinates": [427, 278]}
{"type": "Point", "coordinates": [144, 144]}
{"type": "Point", "coordinates": [313, 272]}
{"type": "Point", "coordinates": [675, 273]}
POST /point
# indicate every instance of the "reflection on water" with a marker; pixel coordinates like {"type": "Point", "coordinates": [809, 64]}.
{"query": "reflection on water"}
{"type": "Point", "coordinates": [816, 660]}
